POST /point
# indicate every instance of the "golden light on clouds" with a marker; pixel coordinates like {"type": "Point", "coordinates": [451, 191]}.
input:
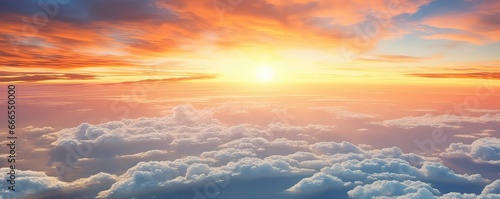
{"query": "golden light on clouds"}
{"type": "Point", "coordinates": [299, 40]}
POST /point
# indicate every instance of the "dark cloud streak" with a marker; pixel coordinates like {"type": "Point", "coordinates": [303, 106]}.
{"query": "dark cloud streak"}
{"type": "Point", "coordinates": [37, 77]}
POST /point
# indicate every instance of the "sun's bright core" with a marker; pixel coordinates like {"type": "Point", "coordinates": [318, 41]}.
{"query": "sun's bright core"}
{"type": "Point", "coordinates": [265, 74]}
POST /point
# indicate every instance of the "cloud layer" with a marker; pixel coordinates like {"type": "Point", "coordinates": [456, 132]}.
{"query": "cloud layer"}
{"type": "Point", "coordinates": [438, 121]}
{"type": "Point", "coordinates": [189, 149]}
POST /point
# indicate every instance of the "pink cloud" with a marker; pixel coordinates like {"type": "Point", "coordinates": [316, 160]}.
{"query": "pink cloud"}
{"type": "Point", "coordinates": [478, 27]}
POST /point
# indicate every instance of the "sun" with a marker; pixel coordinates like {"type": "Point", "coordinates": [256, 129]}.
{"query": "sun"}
{"type": "Point", "coordinates": [265, 74]}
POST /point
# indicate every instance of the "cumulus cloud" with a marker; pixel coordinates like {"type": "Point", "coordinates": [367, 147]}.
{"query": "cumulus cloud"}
{"type": "Point", "coordinates": [317, 182]}
{"type": "Point", "coordinates": [483, 150]}
{"type": "Point", "coordinates": [394, 189]}
{"type": "Point", "coordinates": [36, 182]}
{"type": "Point", "coordinates": [190, 171]}
{"type": "Point", "coordinates": [30, 182]}
{"type": "Point", "coordinates": [190, 148]}
{"type": "Point", "coordinates": [491, 191]}
{"type": "Point", "coordinates": [330, 148]}
{"type": "Point", "coordinates": [493, 188]}
{"type": "Point", "coordinates": [412, 189]}
{"type": "Point", "coordinates": [351, 166]}
{"type": "Point", "coordinates": [370, 168]}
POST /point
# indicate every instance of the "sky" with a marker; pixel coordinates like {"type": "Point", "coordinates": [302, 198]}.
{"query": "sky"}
{"type": "Point", "coordinates": [252, 99]}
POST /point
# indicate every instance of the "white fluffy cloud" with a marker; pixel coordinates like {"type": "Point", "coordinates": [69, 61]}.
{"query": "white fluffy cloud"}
{"type": "Point", "coordinates": [30, 182]}
{"type": "Point", "coordinates": [35, 182]}
{"type": "Point", "coordinates": [388, 189]}
{"type": "Point", "coordinates": [350, 167]}
{"type": "Point", "coordinates": [191, 171]}
{"type": "Point", "coordinates": [394, 189]}
{"type": "Point", "coordinates": [330, 148]}
{"type": "Point", "coordinates": [493, 188]}
{"type": "Point", "coordinates": [370, 169]}
{"type": "Point", "coordinates": [317, 182]}
{"type": "Point", "coordinates": [197, 148]}
{"type": "Point", "coordinates": [484, 150]}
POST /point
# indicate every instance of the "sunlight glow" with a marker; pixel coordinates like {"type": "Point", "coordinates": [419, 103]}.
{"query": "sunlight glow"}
{"type": "Point", "coordinates": [265, 74]}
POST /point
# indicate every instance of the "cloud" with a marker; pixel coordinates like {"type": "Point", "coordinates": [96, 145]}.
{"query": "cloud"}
{"type": "Point", "coordinates": [330, 148]}
{"type": "Point", "coordinates": [236, 108]}
{"type": "Point", "coordinates": [344, 173]}
{"type": "Point", "coordinates": [465, 136]}
{"type": "Point", "coordinates": [477, 75]}
{"type": "Point", "coordinates": [318, 181]}
{"type": "Point", "coordinates": [35, 182]}
{"type": "Point", "coordinates": [30, 182]}
{"type": "Point", "coordinates": [478, 25]}
{"type": "Point", "coordinates": [483, 150]}
{"type": "Point", "coordinates": [190, 148]}
{"type": "Point", "coordinates": [491, 191]}
{"type": "Point", "coordinates": [397, 58]}
{"type": "Point", "coordinates": [413, 189]}
{"type": "Point", "coordinates": [341, 112]}
{"type": "Point", "coordinates": [484, 110]}
{"type": "Point", "coordinates": [432, 169]}
{"type": "Point", "coordinates": [88, 34]}
{"type": "Point", "coordinates": [438, 121]}
{"type": "Point", "coordinates": [34, 77]}
{"type": "Point", "coordinates": [465, 37]}
{"type": "Point", "coordinates": [394, 189]}
{"type": "Point", "coordinates": [423, 110]}
{"type": "Point", "coordinates": [483, 133]}
{"type": "Point", "coordinates": [188, 115]}
{"type": "Point", "coordinates": [185, 171]}
{"type": "Point", "coordinates": [38, 130]}
{"type": "Point", "coordinates": [493, 188]}
{"type": "Point", "coordinates": [174, 79]}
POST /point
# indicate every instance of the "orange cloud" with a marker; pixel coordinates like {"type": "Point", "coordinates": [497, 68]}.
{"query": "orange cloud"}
{"type": "Point", "coordinates": [37, 77]}
{"type": "Point", "coordinates": [467, 37]}
{"type": "Point", "coordinates": [478, 75]}
{"type": "Point", "coordinates": [101, 34]}
{"type": "Point", "coordinates": [398, 58]}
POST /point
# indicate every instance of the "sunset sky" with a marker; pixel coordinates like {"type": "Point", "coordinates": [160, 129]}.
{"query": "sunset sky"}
{"type": "Point", "coordinates": [114, 41]}
{"type": "Point", "coordinates": [295, 98]}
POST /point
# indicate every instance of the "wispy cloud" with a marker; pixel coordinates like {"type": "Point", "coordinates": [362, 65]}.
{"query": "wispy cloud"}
{"type": "Point", "coordinates": [398, 58]}
{"type": "Point", "coordinates": [479, 25]}
{"type": "Point", "coordinates": [38, 77]}
{"type": "Point", "coordinates": [438, 121]}
{"type": "Point", "coordinates": [476, 75]}
{"type": "Point", "coordinates": [175, 79]}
